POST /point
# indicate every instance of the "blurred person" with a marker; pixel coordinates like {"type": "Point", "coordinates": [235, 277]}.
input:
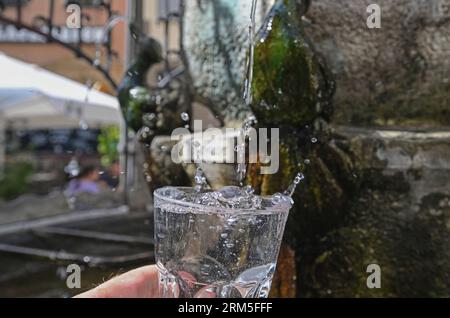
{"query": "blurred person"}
{"type": "Point", "coordinates": [87, 181]}
{"type": "Point", "coordinates": [111, 177]}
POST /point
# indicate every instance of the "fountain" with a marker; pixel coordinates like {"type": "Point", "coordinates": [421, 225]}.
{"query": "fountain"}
{"type": "Point", "coordinates": [365, 195]}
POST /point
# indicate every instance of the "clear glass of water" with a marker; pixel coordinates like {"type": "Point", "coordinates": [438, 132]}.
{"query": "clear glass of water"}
{"type": "Point", "coordinates": [220, 244]}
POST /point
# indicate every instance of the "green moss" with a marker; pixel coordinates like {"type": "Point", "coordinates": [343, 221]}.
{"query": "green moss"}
{"type": "Point", "coordinates": [15, 180]}
{"type": "Point", "coordinates": [290, 84]}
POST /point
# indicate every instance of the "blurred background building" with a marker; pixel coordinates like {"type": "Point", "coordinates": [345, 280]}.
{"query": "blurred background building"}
{"type": "Point", "coordinates": [29, 47]}
{"type": "Point", "coordinates": [48, 73]}
{"type": "Point", "coordinates": [32, 48]}
{"type": "Point", "coordinates": [105, 39]}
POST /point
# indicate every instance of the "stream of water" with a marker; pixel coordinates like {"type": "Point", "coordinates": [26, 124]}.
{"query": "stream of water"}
{"type": "Point", "coordinates": [252, 121]}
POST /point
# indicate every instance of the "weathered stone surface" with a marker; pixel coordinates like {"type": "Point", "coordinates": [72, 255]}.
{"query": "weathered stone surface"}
{"type": "Point", "coordinates": [389, 205]}
{"type": "Point", "coordinates": [369, 196]}
{"type": "Point", "coordinates": [400, 220]}
{"type": "Point", "coordinates": [216, 45]}
{"type": "Point", "coordinates": [30, 206]}
{"type": "Point", "coordinates": [398, 74]}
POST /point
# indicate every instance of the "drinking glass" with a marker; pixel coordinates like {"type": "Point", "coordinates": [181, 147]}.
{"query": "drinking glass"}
{"type": "Point", "coordinates": [213, 252]}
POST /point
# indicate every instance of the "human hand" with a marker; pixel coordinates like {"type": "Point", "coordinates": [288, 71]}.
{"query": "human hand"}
{"type": "Point", "coordinates": [139, 283]}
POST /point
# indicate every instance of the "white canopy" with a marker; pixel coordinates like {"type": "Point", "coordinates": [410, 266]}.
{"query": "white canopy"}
{"type": "Point", "coordinates": [33, 98]}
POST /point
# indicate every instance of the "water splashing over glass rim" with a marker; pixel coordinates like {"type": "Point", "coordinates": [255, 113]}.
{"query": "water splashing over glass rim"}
{"type": "Point", "coordinates": [281, 206]}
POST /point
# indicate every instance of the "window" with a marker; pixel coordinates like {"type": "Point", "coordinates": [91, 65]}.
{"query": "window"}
{"type": "Point", "coordinates": [84, 3]}
{"type": "Point", "coordinates": [168, 7]}
{"type": "Point", "coordinates": [7, 3]}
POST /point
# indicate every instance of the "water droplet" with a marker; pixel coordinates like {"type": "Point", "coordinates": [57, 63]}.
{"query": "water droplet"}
{"type": "Point", "coordinates": [291, 190]}
{"type": "Point", "coordinates": [149, 119]}
{"type": "Point", "coordinates": [249, 190]}
{"type": "Point", "coordinates": [314, 140]}
{"type": "Point", "coordinates": [232, 220]}
{"type": "Point", "coordinates": [185, 117]}
{"type": "Point", "coordinates": [200, 180]}
{"type": "Point", "coordinates": [299, 178]}
{"type": "Point", "coordinates": [239, 148]}
{"type": "Point", "coordinates": [83, 125]}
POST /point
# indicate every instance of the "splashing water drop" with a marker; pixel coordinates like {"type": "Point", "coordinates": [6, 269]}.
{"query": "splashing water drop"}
{"type": "Point", "coordinates": [149, 119]}
{"type": "Point", "coordinates": [185, 117]}
{"type": "Point", "coordinates": [291, 190]}
{"type": "Point", "coordinates": [200, 180]}
{"type": "Point", "coordinates": [249, 190]}
{"type": "Point", "coordinates": [83, 125]}
{"type": "Point", "coordinates": [197, 145]}
{"type": "Point", "coordinates": [249, 123]}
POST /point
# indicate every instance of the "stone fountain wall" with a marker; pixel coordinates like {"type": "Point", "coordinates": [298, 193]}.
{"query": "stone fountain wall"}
{"type": "Point", "coordinates": [216, 46]}
{"type": "Point", "coordinates": [386, 200]}
{"type": "Point", "coordinates": [396, 75]}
